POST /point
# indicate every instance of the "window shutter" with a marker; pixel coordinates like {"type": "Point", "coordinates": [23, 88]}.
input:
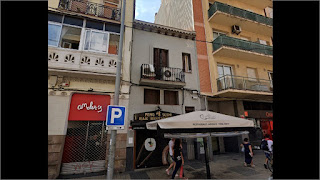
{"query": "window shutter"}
{"type": "Point", "coordinates": [183, 63]}
{"type": "Point", "coordinates": [189, 62]}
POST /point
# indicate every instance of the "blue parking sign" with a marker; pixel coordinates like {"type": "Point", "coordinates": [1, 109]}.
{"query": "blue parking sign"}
{"type": "Point", "coordinates": [116, 117]}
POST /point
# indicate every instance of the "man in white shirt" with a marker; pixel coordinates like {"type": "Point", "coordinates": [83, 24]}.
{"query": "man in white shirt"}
{"type": "Point", "coordinates": [171, 144]}
{"type": "Point", "coordinates": [270, 146]}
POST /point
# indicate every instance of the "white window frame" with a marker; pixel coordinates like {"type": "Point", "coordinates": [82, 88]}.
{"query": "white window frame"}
{"type": "Point", "coordinates": [73, 27]}
{"type": "Point", "coordinates": [224, 65]}
{"type": "Point", "coordinates": [186, 64]}
{"type": "Point", "coordinates": [59, 24]}
{"type": "Point", "coordinates": [231, 84]}
{"type": "Point", "coordinates": [99, 31]}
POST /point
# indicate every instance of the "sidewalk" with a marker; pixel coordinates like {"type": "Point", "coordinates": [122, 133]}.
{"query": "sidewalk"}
{"type": "Point", "coordinates": [224, 166]}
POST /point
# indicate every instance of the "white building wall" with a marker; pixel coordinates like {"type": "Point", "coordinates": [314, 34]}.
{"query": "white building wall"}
{"type": "Point", "coordinates": [176, 13]}
{"type": "Point", "coordinates": [58, 108]}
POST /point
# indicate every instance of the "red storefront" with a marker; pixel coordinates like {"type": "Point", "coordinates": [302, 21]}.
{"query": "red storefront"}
{"type": "Point", "coordinates": [263, 119]}
{"type": "Point", "coordinates": [86, 139]}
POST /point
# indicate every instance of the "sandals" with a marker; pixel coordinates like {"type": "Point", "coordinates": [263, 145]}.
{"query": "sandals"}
{"type": "Point", "coordinates": [168, 173]}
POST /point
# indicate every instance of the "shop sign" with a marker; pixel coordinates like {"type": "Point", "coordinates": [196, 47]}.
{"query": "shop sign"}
{"type": "Point", "coordinates": [88, 107]}
{"type": "Point", "coordinates": [153, 115]}
{"type": "Point", "coordinates": [259, 114]}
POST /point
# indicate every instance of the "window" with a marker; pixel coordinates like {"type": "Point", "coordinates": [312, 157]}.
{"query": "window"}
{"type": "Point", "coordinates": [113, 43]}
{"type": "Point", "coordinates": [73, 21]}
{"type": "Point", "coordinates": [55, 17]}
{"type": "Point", "coordinates": [54, 31]}
{"type": "Point", "coordinates": [96, 41]}
{"type": "Point", "coordinates": [171, 98]}
{"type": "Point", "coordinates": [225, 76]}
{"type": "Point", "coordinates": [271, 78]}
{"type": "Point", "coordinates": [160, 57]}
{"type": "Point", "coordinates": [94, 25]}
{"type": "Point", "coordinates": [186, 62]}
{"type": "Point", "coordinates": [151, 96]}
{"type": "Point", "coordinates": [251, 74]}
{"type": "Point", "coordinates": [70, 37]}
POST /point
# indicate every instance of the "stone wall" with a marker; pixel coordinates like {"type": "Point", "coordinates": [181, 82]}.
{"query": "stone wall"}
{"type": "Point", "coordinates": [55, 152]}
{"type": "Point", "coordinates": [120, 154]}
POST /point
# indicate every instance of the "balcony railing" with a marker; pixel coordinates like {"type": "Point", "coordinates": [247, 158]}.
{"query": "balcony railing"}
{"type": "Point", "coordinates": [81, 61]}
{"type": "Point", "coordinates": [244, 83]}
{"type": "Point", "coordinates": [90, 8]}
{"type": "Point", "coordinates": [162, 73]}
{"type": "Point", "coordinates": [224, 40]}
{"type": "Point", "coordinates": [217, 6]}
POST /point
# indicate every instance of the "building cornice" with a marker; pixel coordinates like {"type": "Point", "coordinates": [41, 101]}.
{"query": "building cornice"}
{"type": "Point", "coordinates": [165, 30]}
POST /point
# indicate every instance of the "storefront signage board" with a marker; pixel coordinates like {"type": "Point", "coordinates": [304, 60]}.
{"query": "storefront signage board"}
{"type": "Point", "coordinates": [88, 107]}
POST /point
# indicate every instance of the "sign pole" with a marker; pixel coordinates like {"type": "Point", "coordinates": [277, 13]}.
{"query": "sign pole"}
{"type": "Point", "coordinates": [112, 147]}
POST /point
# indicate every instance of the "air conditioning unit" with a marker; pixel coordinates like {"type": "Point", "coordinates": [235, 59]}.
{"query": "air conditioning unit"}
{"type": "Point", "coordinates": [167, 74]}
{"type": "Point", "coordinates": [146, 71]}
{"type": "Point", "coordinates": [236, 29]}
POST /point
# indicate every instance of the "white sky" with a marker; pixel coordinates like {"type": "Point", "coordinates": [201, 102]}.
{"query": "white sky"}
{"type": "Point", "coordinates": [146, 9]}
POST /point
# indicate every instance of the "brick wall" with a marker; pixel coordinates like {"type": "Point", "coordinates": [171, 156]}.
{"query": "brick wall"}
{"type": "Point", "coordinates": [203, 64]}
{"type": "Point", "coordinates": [55, 151]}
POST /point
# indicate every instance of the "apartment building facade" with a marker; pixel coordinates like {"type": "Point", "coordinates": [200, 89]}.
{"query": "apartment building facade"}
{"type": "Point", "coordinates": [236, 40]}
{"type": "Point", "coordinates": [83, 48]}
{"type": "Point", "coordinates": [164, 77]}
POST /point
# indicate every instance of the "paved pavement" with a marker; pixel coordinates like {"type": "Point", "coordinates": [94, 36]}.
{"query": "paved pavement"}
{"type": "Point", "coordinates": [224, 166]}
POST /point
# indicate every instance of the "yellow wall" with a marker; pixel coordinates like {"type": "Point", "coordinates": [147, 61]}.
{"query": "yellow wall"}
{"type": "Point", "coordinates": [53, 3]}
{"type": "Point", "coordinates": [239, 66]}
{"type": "Point", "coordinates": [226, 29]}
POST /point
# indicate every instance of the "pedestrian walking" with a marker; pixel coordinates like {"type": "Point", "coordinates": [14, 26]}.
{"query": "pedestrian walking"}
{"type": "Point", "coordinates": [267, 145]}
{"type": "Point", "coordinates": [248, 154]}
{"type": "Point", "coordinates": [172, 164]}
{"type": "Point", "coordinates": [178, 158]}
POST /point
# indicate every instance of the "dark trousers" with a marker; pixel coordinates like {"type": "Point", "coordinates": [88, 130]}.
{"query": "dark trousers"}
{"type": "Point", "coordinates": [178, 165]}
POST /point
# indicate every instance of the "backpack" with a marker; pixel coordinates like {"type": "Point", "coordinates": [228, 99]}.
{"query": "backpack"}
{"type": "Point", "coordinates": [264, 145]}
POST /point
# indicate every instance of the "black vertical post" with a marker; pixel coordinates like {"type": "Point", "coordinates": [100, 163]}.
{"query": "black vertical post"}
{"type": "Point", "coordinates": [206, 157]}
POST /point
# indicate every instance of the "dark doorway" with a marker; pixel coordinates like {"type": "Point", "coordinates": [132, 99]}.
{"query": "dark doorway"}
{"type": "Point", "coordinates": [231, 144]}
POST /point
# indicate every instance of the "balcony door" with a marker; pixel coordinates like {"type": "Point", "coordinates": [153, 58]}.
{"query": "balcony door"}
{"type": "Point", "coordinates": [160, 60]}
{"type": "Point", "coordinates": [225, 80]}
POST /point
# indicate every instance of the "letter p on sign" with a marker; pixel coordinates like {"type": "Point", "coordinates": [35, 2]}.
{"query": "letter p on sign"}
{"type": "Point", "coordinates": [115, 117]}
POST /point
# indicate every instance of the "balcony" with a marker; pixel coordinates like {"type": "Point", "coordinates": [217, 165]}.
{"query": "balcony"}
{"type": "Point", "coordinates": [162, 76]}
{"type": "Point", "coordinates": [90, 8]}
{"type": "Point", "coordinates": [83, 63]}
{"type": "Point", "coordinates": [235, 48]}
{"type": "Point", "coordinates": [243, 87]}
{"type": "Point", "coordinates": [227, 15]}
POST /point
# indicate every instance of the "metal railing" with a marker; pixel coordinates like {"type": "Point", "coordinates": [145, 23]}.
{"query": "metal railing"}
{"type": "Point", "coordinates": [218, 6]}
{"type": "Point", "coordinates": [162, 73]}
{"type": "Point", "coordinates": [244, 83]}
{"type": "Point", "coordinates": [90, 8]}
{"type": "Point", "coordinates": [224, 40]}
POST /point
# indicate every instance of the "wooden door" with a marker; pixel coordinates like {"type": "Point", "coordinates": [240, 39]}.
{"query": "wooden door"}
{"type": "Point", "coordinates": [160, 60]}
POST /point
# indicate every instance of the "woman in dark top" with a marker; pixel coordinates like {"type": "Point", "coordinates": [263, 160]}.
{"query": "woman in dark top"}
{"type": "Point", "coordinates": [177, 157]}
{"type": "Point", "coordinates": [248, 154]}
